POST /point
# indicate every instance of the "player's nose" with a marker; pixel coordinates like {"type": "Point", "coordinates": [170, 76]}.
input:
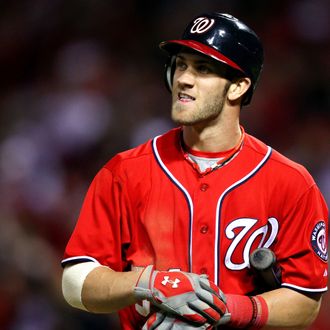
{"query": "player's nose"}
{"type": "Point", "coordinates": [186, 77]}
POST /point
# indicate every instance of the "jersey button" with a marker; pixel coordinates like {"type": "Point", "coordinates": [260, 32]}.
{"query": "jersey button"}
{"type": "Point", "coordinates": [204, 229]}
{"type": "Point", "coordinates": [203, 270]}
{"type": "Point", "coordinates": [204, 187]}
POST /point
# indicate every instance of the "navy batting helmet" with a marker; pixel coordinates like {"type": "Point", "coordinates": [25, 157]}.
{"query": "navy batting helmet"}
{"type": "Point", "coordinates": [225, 39]}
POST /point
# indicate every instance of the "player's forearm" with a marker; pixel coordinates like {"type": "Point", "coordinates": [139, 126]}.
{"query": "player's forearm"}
{"type": "Point", "coordinates": [106, 291]}
{"type": "Point", "coordinates": [289, 309]}
{"type": "Point", "coordinates": [96, 288]}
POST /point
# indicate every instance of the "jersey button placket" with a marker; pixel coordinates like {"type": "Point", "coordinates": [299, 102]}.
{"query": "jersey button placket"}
{"type": "Point", "coordinates": [203, 235]}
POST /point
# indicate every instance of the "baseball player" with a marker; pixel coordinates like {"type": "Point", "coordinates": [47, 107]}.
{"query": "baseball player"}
{"type": "Point", "coordinates": [166, 229]}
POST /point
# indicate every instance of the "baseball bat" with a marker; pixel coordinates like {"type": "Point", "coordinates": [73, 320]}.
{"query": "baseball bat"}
{"type": "Point", "coordinates": [263, 262]}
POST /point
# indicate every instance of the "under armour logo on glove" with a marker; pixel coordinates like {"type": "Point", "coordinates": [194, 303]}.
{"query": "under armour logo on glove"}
{"type": "Point", "coordinates": [196, 299]}
{"type": "Point", "coordinates": [174, 283]}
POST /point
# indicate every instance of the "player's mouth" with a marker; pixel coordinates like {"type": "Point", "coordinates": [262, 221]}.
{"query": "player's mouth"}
{"type": "Point", "coordinates": [183, 97]}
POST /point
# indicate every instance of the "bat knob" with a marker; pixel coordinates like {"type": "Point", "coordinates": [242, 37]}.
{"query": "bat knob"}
{"type": "Point", "coordinates": [263, 262]}
{"type": "Point", "coordinates": [262, 259]}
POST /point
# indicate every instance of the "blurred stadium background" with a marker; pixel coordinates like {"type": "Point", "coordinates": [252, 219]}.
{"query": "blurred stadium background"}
{"type": "Point", "coordinates": [82, 80]}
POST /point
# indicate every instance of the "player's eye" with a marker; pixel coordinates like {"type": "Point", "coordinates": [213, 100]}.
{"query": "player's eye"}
{"type": "Point", "coordinates": [181, 65]}
{"type": "Point", "coordinates": [205, 69]}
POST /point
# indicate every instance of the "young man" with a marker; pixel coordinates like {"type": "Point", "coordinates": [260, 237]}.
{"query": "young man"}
{"type": "Point", "coordinates": [166, 229]}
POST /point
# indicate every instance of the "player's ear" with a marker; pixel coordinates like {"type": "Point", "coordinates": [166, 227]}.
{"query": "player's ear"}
{"type": "Point", "coordinates": [238, 88]}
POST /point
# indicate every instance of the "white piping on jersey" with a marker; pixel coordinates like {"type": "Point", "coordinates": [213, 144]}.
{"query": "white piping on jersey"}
{"type": "Point", "coordinates": [183, 189]}
{"type": "Point", "coordinates": [218, 211]}
{"type": "Point", "coordinates": [300, 288]}
{"type": "Point", "coordinates": [191, 206]}
{"type": "Point", "coordinates": [72, 259]}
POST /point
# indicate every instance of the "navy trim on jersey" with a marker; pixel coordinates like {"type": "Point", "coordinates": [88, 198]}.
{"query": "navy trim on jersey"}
{"type": "Point", "coordinates": [185, 193]}
{"type": "Point", "coordinates": [218, 212]}
{"type": "Point", "coordinates": [75, 260]}
{"type": "Point", "coordinates": [302, 289]}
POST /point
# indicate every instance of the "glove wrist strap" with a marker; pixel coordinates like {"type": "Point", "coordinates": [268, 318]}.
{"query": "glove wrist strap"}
{"type": "Point", "coordinates": [260, 312]}
{"type": "Point", "coordinates": [247, 312]}
{"type": "Point", "coordinates": [142, 286]}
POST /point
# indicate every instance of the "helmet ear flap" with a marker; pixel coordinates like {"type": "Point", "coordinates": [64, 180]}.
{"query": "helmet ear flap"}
{"type": "Point", "coordinates": [169, 72]}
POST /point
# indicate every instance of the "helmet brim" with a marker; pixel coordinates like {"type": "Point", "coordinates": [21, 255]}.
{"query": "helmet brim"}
{"type": "Point", "coordinates": [172, 47]}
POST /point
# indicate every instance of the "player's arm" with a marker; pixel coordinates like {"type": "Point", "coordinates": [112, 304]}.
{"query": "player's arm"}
{"type": "Point", "coordinates": [281, 308]}
{"type": "Point", "coordinates": [291, 309]}
{"type": "Point", "coordinates": [98, 289]}
{"type": "Point", "coordinates": [106, 291]}
{"type": "Point", "coordinates": [286, 306]}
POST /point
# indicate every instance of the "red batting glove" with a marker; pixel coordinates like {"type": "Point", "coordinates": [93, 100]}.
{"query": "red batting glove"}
{"type": "Point", "coordinates": [187, 295]}
{"type": "Point", "coordinates": [155, 320]}
{"type": "Point", "coordinates": [161, 321]}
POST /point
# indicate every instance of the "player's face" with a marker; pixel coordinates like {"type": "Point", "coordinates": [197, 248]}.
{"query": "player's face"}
{"type": "Point", "coordinates": [199, 90]}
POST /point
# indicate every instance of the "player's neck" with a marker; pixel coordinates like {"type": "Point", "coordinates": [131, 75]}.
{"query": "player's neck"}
{"type": "Point", "coordinates": [212, 139]}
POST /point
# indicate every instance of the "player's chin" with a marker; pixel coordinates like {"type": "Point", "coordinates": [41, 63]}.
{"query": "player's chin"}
{"type": "Point", "coordinates": [182, 121]}
{"type": "Point", "coordinates": [179, 116]}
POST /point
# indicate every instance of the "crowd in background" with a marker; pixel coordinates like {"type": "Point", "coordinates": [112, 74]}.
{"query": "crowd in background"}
{"type": "Point", "coordinates": [83, 79]}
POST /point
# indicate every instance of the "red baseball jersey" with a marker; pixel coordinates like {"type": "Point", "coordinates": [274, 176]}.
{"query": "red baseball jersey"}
{"type": "Point", "coordinates": [149, 205]}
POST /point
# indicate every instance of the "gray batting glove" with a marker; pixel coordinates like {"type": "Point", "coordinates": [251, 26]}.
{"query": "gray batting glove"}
{"type": "Point", "coordinates": [161, 321]}
{"type": "Point", "coordinates": [186, 295]}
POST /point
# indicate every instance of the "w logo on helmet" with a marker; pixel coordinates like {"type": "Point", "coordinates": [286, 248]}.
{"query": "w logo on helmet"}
{"type": "Point", "coordinates": [201, 25]}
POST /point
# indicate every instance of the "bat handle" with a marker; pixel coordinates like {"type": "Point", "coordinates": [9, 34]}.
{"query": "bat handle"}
{"type": "Point", "coordinates": [263, 261]}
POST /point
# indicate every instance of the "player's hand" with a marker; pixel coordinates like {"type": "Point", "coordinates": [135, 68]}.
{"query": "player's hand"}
{"type": "Point", "coordinates": [161, 321]}
{"type": "Point", "coordinates": [190, 296]}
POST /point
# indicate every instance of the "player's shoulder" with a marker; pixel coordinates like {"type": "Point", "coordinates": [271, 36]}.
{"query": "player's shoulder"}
{"type": "Point", "coordinates": [280, 164]}
{"type": "Point", "coordinates": [139, 156]}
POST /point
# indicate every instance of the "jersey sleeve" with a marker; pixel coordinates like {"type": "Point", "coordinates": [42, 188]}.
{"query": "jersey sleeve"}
{"type": "Point", "coordinates": [302, 243]}
{"type": "Point", "coordinates": [101, 232]}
